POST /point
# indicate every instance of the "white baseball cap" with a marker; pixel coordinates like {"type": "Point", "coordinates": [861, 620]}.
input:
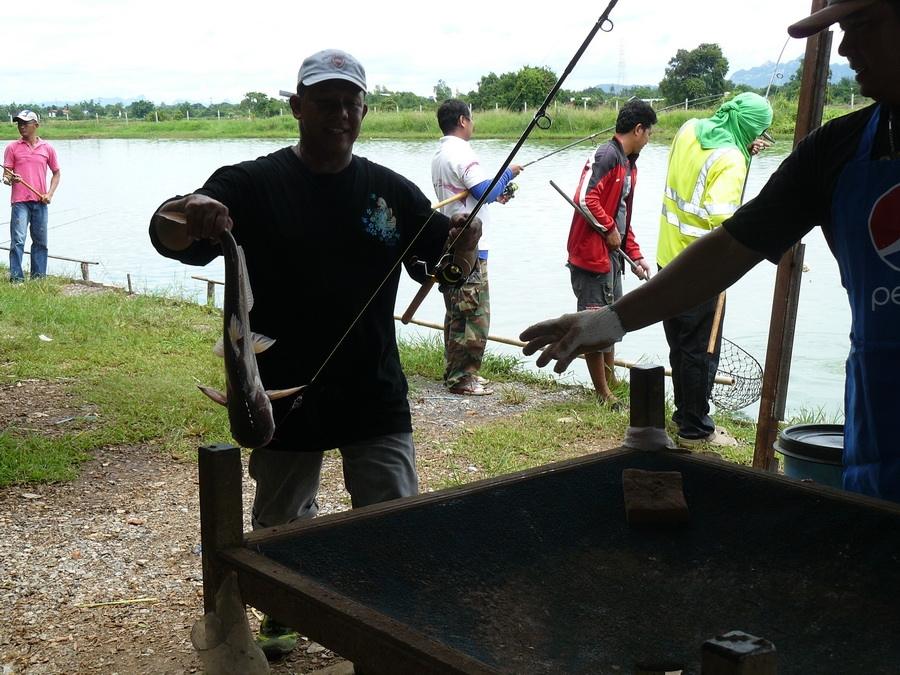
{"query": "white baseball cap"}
{"type": "Point", "coordinates": [331, 64]}
{"type": "Point", "coordinates": [26, 116]}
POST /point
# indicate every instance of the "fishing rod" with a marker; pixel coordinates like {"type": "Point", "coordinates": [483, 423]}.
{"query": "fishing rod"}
{"type": "Point", "coordinates": [9, 178]}
{"type": "Point", "coordinates": [775, 72]}
{"type": "Point", "coordinates": [587, 216]}
{"type": "Point", "coordinates": [451, 269]}
{"type": "Point", "coordinates": [608, 129]}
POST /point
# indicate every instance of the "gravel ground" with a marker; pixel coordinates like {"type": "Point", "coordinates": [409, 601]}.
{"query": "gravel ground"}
{"type": "Point", "coordinates": [102, 574]}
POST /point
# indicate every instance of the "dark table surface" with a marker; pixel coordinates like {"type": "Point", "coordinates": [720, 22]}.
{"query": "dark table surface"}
{"type": "Point", "coordinates": [543, 575]}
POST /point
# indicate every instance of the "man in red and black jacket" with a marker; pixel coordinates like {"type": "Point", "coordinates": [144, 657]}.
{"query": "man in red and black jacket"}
{"type": "Point", "coordinates": [596, 243]}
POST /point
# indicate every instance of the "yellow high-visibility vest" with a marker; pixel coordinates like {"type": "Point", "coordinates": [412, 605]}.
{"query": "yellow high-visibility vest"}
{"type": "Point", "coordinates": [703, 189]}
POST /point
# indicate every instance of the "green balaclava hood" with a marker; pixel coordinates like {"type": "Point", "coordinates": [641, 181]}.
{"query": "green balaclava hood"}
{"type": "Point", "coordinates": [736, 123]}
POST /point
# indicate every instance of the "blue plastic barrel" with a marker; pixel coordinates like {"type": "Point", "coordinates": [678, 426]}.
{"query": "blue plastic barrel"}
{"type": "Point", "coordinates": [813, 451]}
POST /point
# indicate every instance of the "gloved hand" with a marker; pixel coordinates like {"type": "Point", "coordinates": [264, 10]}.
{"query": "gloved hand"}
{"type": "Point", "coordinates": [572, 334]}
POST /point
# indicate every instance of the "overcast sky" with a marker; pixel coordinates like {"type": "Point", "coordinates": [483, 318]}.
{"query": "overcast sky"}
{"type": "Point", "coordinates": [168, 50]}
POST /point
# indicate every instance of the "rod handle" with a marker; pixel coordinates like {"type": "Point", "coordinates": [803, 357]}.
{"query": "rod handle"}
{"type": "Point", "coordinates": [717, 321]}
{"type": "Point", "coordinates": [417, 301]}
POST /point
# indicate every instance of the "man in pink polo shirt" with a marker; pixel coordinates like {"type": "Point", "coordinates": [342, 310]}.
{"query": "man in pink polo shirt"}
{"type": "Point", "coordinates": [25, 164]}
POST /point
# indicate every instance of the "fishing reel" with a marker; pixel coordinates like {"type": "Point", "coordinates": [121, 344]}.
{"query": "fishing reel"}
{"type": "Point", "coordinates": [451, 271]}
{"type": "Point", "coordinates": [509, 191]}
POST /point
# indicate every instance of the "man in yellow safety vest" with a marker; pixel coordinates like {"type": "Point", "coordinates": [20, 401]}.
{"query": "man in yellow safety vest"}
{"type": "Point", "coordinates": [708, 165]}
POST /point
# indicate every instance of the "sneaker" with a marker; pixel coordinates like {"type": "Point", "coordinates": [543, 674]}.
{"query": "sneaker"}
{"type": "Point", "coordinates": [719, 437]}
{"type": "Point", "coordinates": [275, 639]}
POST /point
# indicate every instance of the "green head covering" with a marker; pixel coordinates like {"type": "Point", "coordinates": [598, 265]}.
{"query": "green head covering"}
{"type": "Point", "coordinates": [736, 123]}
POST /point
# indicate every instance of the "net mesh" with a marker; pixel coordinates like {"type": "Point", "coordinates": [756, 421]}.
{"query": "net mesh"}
{"type": "Point", "coordinates": [746, 372]}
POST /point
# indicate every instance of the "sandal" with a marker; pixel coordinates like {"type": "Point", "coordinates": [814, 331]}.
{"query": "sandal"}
{"type": "Point", "coordinates": [470, 386]}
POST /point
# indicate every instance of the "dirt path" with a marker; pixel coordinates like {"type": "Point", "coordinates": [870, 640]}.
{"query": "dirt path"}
{"type": "Point", "coordinates": [128, 530]}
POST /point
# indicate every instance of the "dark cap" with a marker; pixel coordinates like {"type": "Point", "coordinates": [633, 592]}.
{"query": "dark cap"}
{"type": "Point", "coordinates": [833, 12]}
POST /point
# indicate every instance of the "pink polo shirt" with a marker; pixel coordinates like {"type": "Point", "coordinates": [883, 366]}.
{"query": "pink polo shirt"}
{"type": "Point", "coordinates": [31, 163]}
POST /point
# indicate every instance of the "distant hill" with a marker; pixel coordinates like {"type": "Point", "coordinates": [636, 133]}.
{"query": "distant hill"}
{"type": "Point", "coordinates": [760, 76]}
{"type": "Point", "coordinates": [757, 77]}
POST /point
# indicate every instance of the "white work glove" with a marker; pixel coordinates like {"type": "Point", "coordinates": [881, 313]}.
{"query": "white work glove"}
{"type": "Point", "coordinates": [572, 334]}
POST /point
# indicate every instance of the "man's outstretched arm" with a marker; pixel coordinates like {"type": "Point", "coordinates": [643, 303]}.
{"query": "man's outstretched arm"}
{"type": "Point", "coordinates": [705, 268]}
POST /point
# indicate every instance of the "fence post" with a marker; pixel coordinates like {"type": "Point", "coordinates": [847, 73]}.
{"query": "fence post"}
{"type": "Point", "coordinates": [85, 272]}
{"type": "Point", "coordinates": [210, 293]}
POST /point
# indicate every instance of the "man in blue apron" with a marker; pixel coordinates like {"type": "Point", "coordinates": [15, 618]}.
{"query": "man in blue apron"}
{"type": "Point", "coordinates": [844, 177]}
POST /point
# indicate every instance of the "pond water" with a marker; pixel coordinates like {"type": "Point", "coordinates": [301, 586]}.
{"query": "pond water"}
{"type": "Point", "coordinates": [109, 188]}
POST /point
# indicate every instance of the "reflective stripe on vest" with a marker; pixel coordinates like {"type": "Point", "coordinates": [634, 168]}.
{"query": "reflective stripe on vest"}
{"type": "Point", "coordinates": [694, 206]}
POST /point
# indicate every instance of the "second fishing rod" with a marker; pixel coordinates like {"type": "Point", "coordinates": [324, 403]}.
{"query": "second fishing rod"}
{"type": "Point", "coordinates": [452, 269]}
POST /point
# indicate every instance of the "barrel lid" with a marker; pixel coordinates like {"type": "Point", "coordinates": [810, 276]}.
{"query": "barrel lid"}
{"type": "Point", "coordinates": [816, 442]}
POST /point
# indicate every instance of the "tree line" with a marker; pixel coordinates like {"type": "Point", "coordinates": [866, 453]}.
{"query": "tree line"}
{"type": "Point", "coordinates": [691, 75]}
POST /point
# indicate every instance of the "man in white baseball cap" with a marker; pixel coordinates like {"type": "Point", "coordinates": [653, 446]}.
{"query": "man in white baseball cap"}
{"type": "Point", "coordinates": [26, 116]}
{"type": "Point", "coordinates": [25, 165]}
{"type": "Point", "coordinates": [322, 230]}
{"type": "Point", "coordinates": [331, 64]}
{"type": "Point", "coordinates": [844, 178]}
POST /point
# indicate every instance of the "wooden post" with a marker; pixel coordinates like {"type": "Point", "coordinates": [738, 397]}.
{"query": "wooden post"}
{"type": "Point", "coordinates": [85, 271]}
{"type": "Point", "coordinates": [648, 396]}
{"type": "Point", "coordinates": [738, 653]}
{"type": "Point", "coordinates": [221, 513]}
{"type": "Point", "coordinates": [210, 293]}
{"type": "Point", "coordinates": [787, 283]}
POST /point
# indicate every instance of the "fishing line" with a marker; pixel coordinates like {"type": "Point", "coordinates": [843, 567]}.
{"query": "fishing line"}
{"type": "Point", "coordinates": [711, 97]}
{"type": "Point", "coordinates": [3, 243]}
{"type": "Point", "coordinates": [540, 117]}
{"type": "Point", "coordinates": [775, 69]}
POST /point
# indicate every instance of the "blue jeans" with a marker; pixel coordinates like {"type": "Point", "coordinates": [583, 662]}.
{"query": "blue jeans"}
{"type": "Point", "coordinates": [23, 214]}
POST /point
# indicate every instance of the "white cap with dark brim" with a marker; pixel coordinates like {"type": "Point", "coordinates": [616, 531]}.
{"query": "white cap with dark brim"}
{"type": "Point", "coordinates": [26, 116]}
{"type": "Point", "coordinates": [833, 12]}
{"type": "Point", "coordinates": [331, 64]}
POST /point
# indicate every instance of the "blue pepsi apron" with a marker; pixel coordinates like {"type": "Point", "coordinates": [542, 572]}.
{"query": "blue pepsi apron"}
{"type": "Point", "coordinates": [866, 241]}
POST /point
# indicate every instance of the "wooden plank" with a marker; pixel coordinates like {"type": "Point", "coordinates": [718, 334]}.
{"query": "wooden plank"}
{"type": "Point", "coordinates": [373, 641]}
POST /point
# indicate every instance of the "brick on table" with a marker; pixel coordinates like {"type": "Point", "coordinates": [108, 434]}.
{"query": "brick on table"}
{"type": "Point", "coordinates": [654, 497]}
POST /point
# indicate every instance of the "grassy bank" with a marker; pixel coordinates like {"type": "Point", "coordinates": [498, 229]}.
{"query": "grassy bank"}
{"type": "Point", "coordinates": [126, 366]}
{"type": "Point", "coordinates": [568, 123]}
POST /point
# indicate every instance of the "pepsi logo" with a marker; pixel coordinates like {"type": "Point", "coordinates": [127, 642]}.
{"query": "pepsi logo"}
{"type": "Point", "coordinates": [884, 227]}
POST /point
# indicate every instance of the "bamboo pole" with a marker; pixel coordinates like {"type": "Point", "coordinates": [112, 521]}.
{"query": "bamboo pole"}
{"type": "Point", "coordinates": [622, 363]}
{"type": "Point", "coordinates": [8, 175]}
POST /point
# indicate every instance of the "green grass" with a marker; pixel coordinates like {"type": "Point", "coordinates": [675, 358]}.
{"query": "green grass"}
{"type": "Point", "coordinates": [134, 361]}
{"type": "Point", "coordinates": [538, 436]}
{"type": "Point", "coordinates": [568, 123]}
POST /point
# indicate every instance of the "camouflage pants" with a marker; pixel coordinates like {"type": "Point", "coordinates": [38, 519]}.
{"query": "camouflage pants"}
{"type": "Point", "coordinates": [466, 326]}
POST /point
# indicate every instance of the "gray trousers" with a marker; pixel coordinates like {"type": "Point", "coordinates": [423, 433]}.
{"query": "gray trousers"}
{"type": "Point", "coordinates": [375, 470]}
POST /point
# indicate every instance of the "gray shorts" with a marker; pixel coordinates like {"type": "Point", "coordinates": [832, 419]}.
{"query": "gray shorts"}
{"type": "Point", "coordinates": [375, 470]}
{"type": "Point", "coordinates": [594, 291]}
